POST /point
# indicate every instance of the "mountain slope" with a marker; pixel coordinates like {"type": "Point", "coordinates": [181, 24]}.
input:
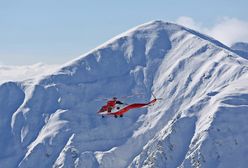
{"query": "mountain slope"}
{"type": "Point", "coordinates": [200, 121]}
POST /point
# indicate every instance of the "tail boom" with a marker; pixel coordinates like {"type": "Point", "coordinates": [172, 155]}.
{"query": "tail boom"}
{"type": "Point", "coordinates": [134, 106]}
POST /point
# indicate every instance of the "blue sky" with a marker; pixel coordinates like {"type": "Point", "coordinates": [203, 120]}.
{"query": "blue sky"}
{"type": "Point", "coordinates": [56, 31]}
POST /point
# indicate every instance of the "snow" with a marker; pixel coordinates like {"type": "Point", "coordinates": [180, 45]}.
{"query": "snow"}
{"type": "Point", "coordinates": [51, 120]}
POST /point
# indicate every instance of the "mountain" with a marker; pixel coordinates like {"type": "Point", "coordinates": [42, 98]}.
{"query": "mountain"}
{"type": "Point", "coordinates": [201, 120]}
{"type": "Point", "coordinates": [241, 49]}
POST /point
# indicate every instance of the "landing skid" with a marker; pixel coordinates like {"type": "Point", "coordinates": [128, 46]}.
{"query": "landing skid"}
{"type": "Point", "coordinates": [119, 116]}
{"type": "Point", "coordinates": [116, 116]}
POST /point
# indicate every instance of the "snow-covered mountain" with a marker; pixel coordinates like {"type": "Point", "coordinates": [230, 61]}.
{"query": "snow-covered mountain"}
{"type": "Point", "coordinates": [241, 49]}
{"type": "Point", "coordinates": [200, 122]}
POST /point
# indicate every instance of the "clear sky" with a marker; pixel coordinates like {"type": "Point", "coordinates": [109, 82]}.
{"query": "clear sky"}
{"type": "Point", "coordinates": [56, 31]}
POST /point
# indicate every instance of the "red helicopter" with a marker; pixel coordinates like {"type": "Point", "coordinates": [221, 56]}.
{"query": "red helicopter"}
{"type": "Point", "coordinates": [117, 108]}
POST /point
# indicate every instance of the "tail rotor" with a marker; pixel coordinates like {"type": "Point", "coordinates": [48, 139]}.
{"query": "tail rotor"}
{"type": "Point", "coordinates": [156, 97]}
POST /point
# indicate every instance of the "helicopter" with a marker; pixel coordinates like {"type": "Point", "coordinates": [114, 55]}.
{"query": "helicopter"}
{"type": "Point", "coordinates": [116, 108]}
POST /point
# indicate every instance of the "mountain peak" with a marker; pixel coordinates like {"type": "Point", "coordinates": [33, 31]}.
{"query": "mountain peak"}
{"type": "Point", "coordinates": [139, 46]}
{"type": "Point", "coordinates": [158, 23]}
{"type": "Point", "coordinates": [148, 32]}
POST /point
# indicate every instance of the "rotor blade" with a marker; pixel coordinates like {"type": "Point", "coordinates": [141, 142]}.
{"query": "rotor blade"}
{"type": "Point", "coordinates": [101, 99]}
{"type": "Point", "coordinates": [133, 95]}
{"type": "Point", "coordinates": [122, 97]}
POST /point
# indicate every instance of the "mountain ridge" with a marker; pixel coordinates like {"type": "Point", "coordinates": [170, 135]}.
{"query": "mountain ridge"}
{"type": "Point", "coordinates": [155, 23]}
